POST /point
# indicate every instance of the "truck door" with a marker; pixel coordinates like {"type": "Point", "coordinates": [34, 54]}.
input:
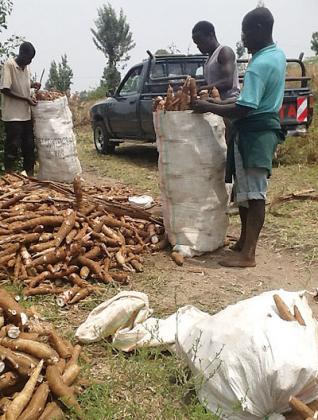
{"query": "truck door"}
{"type": "Point", "coordinates": [124, 109]}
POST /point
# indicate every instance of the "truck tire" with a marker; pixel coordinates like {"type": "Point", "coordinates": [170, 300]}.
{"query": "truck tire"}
{"type": "Point", "coordinates": [101, 139]}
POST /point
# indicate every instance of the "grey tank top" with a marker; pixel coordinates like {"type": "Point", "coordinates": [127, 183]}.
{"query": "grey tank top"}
{"type": "Point", "coordinates": [213, 73]}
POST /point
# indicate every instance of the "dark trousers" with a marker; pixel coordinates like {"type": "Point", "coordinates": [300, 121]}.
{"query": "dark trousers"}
{"type": "Point", "coordinates": [19, 136]}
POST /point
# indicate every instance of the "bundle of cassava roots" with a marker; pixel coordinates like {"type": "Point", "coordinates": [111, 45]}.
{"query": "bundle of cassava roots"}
{"type": "Point", "coordinates": [66, 241]}
{"type": "Point", "coordinates": [184, 97]}
{"type": "Point", "coordinates": [48, 95]}
{"type": "Point", "coordinates": [38, 369]}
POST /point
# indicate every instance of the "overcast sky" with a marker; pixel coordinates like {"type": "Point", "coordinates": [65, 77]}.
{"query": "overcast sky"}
{"type": "Point", "coordinates": [56, 27]}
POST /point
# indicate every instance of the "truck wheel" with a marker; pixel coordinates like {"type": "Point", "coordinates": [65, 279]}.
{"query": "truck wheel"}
{"type": "Point", "coordinates": [101, 139]}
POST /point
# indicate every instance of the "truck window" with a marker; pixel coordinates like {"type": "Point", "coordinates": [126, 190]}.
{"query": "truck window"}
{"type": "Point", "coordinates": [199, 72]}
{"type": "Point", "coordinates": [174, 69]}
{"type": "Point", "coordinates": [157, 71]}
{"type": "Point", "coordinates": [194, 69]}
{"type": "Point", "coordinates": [132, 84]}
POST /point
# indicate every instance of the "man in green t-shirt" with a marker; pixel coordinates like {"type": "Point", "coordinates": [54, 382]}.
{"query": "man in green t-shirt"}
{"type": "Point", "coordinates": [257, 131]}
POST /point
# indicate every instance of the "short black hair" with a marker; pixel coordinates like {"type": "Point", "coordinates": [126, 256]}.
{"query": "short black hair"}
{"type": "Point", "coordinates": [204, 27]}
{"type": "Point", "coordinates": [260, 16]}
{"type": "Point", "coordinates": [26, 48]}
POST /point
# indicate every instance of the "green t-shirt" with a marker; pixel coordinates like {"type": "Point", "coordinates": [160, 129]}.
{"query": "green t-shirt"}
{"type": "Point", "coordinates": [264, 81]}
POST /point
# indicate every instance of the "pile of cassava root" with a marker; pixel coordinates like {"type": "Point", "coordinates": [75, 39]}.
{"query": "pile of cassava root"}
{"type": "Point", "coordinates": [184, 98]}
{"type": "Point", "coordinates": [38, 369]}
{"type": "Point", "coordinates": [61, 240]}
{"type": "Point", "coordinates": [47, 95]}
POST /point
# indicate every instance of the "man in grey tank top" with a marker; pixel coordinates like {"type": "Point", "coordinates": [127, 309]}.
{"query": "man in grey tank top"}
{"type": "Point", "coordinates": [220, 68]}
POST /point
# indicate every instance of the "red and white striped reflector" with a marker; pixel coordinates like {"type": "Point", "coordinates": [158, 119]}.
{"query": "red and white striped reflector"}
{"type": "Point", "coordinates": [302, 110]}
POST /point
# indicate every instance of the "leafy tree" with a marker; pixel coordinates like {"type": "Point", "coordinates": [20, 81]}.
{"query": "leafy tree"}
{"type": "Point", "coordinates": [113, 37]}
{"type": "Point", "coordinates": [5, 11]}
{"type": "Point", "coordinates": [260, 3]}
{"type": "Point", "coordinates": [53, 76]}
{"type": "Point", "coordinates": [110, 79]}
{"type": "Point", "coordinates": [60, 75]}
{"type": "Point", "coordinates": [240, 49]}
{"type": "Point", "coordinates": [8, 46]}
{"type": "Point", "coordinates": [314, 42]}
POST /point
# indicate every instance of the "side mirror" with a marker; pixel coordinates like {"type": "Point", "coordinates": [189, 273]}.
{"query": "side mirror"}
{"type": "Point", "coordinates": [111, 92]}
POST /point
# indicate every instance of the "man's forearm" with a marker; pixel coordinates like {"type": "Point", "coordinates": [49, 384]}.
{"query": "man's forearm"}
{"type": "Point", "coordinates": [222, 101]}
{"type": "Point", "coordinates": [12, 94]}
{"type": "Point", "coordinates": [227, 110]}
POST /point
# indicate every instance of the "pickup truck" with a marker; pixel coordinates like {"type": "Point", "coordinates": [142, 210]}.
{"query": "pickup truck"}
{"type": "Point", "coordinates": [127, 114]}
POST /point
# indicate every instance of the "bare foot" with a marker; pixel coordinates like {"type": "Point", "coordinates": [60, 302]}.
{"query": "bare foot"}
{"type": "Point", "coordinates": [238, 246]}
{"type": "Point", "coordinates": [238, 261]}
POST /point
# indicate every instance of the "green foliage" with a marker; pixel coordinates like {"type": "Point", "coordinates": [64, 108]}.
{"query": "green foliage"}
{"type": "Point", "coordinates": [8, 46]}
{"type": "Point", "coordinates": [240, 49]}
{"type": "Point", "coordinates": [314, 42]}
{"type": "Point", "coordinates": [113, 37]}
{"type": "Point", "coordinates": [5, 11]}
{"type": "Point", "coordinates": [111, 78]}
{"type": "Point", "coordinates": [60, 76]}
{"type": "Point", "coordinates": [93, 94]}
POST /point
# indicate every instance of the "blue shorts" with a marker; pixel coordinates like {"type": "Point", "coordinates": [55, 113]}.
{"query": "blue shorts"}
{"type": "Point", "coordinates": [249, 184]}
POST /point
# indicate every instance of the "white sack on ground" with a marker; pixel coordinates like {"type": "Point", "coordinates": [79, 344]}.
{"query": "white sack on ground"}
{"type": "Point", "coordinates": [151, 333]}
{"type": "Point", "coordinates": [192, 153]}
{"type": "Point", "coordinates": [245, 360]}
{"type": "Point", "coordinates": [126, 309]}
{"type": "Point", "coordinates": [248, 361]}
{"type": "Point", "coordinates": [55, 141]}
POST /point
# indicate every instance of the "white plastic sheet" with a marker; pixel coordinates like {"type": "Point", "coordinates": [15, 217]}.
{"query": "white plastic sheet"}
{"type": "Point", "coordinates": [245, 360]}
{"type": "Point", "coordinates": [192, 153]}
{"type": "Point", "coordinates": [248, 361]}
{"type": "Point", "coordinates": [55, 141]}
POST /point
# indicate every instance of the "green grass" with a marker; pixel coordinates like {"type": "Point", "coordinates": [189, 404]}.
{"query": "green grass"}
{"type": "Point", "coordinates": [148, 384]}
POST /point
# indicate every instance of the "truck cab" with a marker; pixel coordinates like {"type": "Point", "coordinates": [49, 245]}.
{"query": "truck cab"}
{"type": "Point", "coordinates": [127, 115]}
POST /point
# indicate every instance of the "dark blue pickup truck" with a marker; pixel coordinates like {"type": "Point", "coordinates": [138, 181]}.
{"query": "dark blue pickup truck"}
{"type": "Point", "coordinates": [127, 115]}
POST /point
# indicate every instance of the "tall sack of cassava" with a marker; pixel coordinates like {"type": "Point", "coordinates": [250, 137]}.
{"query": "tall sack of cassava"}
{"type": "Point", "coordinates": [55, 141]}
{"type": "Point", "coordinates": [192, 156]}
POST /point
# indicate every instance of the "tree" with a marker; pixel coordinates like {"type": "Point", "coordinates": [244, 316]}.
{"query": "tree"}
{"type": "Point", "coordinates": [240, 49]}
{"type": "Point", "coordinates": [8, 46]}
{"type": "Point", "coordinates": [60, 75]}
{"type": "Point", "coordinates": [53, 76]}
{"type": "Point", "coordinates": [111, 77]}
{"type": "Point", "coordinates": [260, 3]}
{"type": "Point", "coordinates": [314, 42]}
{"type": "Point", "coordinates": [113, 37]}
